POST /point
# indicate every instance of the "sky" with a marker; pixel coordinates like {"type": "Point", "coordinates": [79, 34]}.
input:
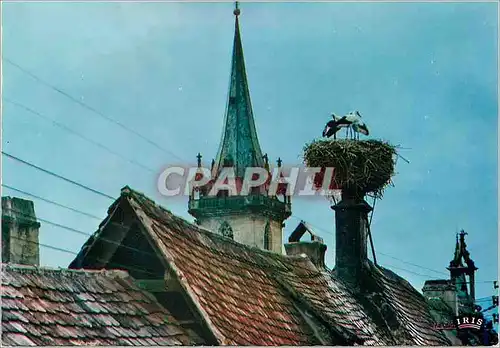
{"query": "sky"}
{"type": "Point", "coordinates": [423, 75]}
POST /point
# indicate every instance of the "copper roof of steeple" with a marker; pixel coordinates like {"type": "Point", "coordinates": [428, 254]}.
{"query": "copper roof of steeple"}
{"type": "Point", "coordinates": [239, 146]}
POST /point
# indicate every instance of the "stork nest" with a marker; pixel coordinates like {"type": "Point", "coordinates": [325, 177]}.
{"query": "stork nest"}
{"type": "Point", "coordinates": [360, 166]}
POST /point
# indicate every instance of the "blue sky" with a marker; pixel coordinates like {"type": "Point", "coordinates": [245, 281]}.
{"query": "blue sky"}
{"type": "Point", "coordinates": [422, 75]}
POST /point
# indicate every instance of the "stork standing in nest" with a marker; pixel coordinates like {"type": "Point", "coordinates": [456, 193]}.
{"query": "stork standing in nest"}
{"type": "Point", "coordinates": [333, 126]}
{"type": "Point", "coordinates": [355, 125]}
{"type": "Point", "coordinates": [352, 122]}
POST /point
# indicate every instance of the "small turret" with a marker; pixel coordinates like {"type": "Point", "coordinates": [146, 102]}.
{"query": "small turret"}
{"type": "Point", "coordinates": [462, 275]}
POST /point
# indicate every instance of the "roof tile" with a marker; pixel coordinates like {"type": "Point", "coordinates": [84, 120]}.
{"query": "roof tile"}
{"type": "Point", "coordinates": [66, 307]}
{"type": "Point", "coordinates": [14, 339]}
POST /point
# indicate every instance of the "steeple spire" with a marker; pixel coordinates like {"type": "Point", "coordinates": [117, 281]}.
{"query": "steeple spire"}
{"type": "Point", "coordinates": [239, 149]}
{"type": "Point", "coordinates": [239, 144]}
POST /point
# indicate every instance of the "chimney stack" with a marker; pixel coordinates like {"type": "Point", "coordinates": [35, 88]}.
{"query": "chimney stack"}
{"type": "Point", "coordinates": [351, 219]}
{"type": "Point", "coordinates": [19, 232]}
{"type": "Point", "coordinates": [314, 249]}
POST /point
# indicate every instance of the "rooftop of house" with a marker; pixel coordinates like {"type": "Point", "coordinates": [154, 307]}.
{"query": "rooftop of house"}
{"type": "Point", "coordinates": [300, 230]}
{"type": "Point", "coordinates": [42, 306]}
{"type": "Point", "coordinates": [249, 296]}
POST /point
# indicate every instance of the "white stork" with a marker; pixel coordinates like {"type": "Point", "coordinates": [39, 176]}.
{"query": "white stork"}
{"type": "Point", "coordinates": [333, 126]}
{"type": "Point", "coordinates": [360, 128]}
{"type": "Point", "coordinates": [356, 124]}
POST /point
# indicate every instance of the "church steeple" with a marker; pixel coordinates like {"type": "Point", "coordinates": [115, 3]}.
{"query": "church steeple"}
{"type": "Point", "coordinates": [239, 146]}
{"type": "Point", "coordinates": [252, 217]}
{"type": "Point", "coordinates": [461, 266]}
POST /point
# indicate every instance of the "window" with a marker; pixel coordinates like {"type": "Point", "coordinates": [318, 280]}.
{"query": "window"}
{"type": "Point", "coordinates": [226, 230]}
{"type": "Point", "coordinates": [267, 237]}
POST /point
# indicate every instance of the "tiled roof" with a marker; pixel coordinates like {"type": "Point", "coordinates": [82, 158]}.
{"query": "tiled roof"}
{"type": "Point", "coordinates": [250, 296]}
{"type": "Point", "coordinates": [331, 299]}
{"type": "Point", "coordinates": [441, 310]}
{"type": "Point", "coordinates": [43, 306]}
{"type": "Point", "coordinates": [232, 285]}
{"type": "Point", "coordinates": [415, 324]}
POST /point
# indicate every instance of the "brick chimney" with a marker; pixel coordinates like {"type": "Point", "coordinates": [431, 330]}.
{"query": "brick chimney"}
{"type": "Point", "coordinates": [351, 219]}
{"type": "Point", "coordinates": [315, 249]}
{"type": "Point", "coordinates": [19, 232]}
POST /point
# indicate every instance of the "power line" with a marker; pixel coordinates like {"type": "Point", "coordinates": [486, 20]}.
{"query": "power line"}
{"type": "Point", "coordinates": [81, 232]}
{"type": "Point", "coordinates": [90, 108]}
{"type": "Point", "coordinates": [45, 245]}
{"type": "Point", "coordinates": [414, 273]}
{"type": "Point", "coordinates": [141, 251]}
{"type": "Point", "coordinates": [127, 267]}
{"type": "Point", "coordinates": [57, 204]}
{"type": "Point", "coordinates": [485, 298]}
{"type": "Point", "coordinates": [51, 202]}
{"type": "Point", "coordinates": [131, 248]}
{"type": "Point", "coordinates": [57, 175]}
{"type": "Point", "coordinates": [413, 264]}
{"type": "Point", "coordinates": [66, 128]}
{"type": "Point", "coordinates": [135, 249]}
{"type": "Point", "coordinates": [71, 229]}
{"type": "Point", "coordinates": [215, 251]}
{"type": "Point", "coordinates": [95, 191]}
{"type": "Point", "coordinates": [393, 257]}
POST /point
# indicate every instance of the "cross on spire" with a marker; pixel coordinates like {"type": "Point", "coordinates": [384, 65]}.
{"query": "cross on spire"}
{"type": "Point", "coordinates": [198, 157]}
{"type": "Point", "coordinates": [236, 9]}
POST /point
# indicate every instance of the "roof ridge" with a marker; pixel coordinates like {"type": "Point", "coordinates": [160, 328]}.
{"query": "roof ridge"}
{"type": "Point", "coordinates": [127, 190]}
{"type": "Point", "coordinates": [44, 269]}
{"type": "Point", "coordinates": [131, 192]}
